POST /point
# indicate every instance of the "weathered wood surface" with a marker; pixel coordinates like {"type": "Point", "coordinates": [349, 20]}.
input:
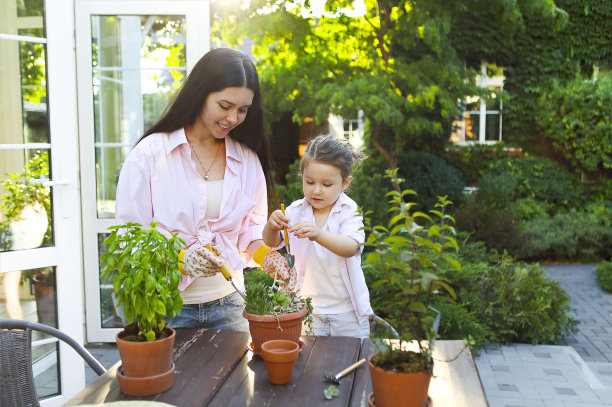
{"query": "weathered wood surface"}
{"type": "Point", "coordinates": [214, 368]}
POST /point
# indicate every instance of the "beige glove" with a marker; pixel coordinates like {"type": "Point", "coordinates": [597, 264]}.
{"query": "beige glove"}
{"type": "Point", "coordinates": [275, 264]}
{"type": "Point", "coordinates": [198, 261]}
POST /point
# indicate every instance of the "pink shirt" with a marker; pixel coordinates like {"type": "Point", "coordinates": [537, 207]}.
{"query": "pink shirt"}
{"type": "Point", "coordinates": [159, 182]}
{"type": "Point", "coordinates": [343, 220]}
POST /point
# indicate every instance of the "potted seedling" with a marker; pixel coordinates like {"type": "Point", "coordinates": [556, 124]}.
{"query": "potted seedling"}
{"type": "Point", "coordinates": [142, 263]}
{"type": "Point", "coordinates": [272, 312]}
{"type": "Point", "coordinates": [405, 257]}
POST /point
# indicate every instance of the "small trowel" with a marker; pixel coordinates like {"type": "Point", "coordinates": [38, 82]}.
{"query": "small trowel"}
{"type": "Point", "coordinates": [290, 257]}
{"type": "Point", "coordinates": [226, 272]}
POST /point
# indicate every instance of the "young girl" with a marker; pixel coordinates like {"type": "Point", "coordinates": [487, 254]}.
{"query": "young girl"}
{"type": "Point", "coordinates": [325, 236]}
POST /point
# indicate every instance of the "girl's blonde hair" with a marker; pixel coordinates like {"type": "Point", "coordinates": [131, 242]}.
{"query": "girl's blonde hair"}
{"type": "Point", "coordinates": [333, 151]}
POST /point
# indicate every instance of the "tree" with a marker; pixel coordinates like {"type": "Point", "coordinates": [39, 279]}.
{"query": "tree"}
{"type": "Point", "coordinates": [397, 62]}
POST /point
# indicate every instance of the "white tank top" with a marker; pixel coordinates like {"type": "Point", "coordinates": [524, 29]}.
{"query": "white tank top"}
{"type": "Point", "coordinates": [205, 289]}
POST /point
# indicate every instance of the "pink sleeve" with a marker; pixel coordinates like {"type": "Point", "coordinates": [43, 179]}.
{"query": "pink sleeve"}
{"type": "Point", "coordinates": [252, 226]}
{"type": "Point", "coordinates": [133, 200]}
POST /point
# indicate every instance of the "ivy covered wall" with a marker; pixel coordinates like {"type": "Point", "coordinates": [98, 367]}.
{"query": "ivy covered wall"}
{"type": "Point", "coordinates": [554, 46]}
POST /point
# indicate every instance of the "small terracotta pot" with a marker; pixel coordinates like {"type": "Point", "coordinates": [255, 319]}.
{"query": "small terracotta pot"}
{"type": "Point", "coordinates": [280, 356]}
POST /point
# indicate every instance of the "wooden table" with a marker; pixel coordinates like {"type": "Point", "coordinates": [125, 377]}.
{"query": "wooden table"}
{"type": "Point", "coordinates": [215, 368]}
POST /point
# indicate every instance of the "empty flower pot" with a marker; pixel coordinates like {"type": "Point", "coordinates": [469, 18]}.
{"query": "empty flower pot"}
{"type": "Point", "coordinates": [280, 356]}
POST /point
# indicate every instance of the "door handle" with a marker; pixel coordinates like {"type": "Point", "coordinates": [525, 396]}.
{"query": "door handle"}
{"type": "Point", "coordinates": [49, 182]}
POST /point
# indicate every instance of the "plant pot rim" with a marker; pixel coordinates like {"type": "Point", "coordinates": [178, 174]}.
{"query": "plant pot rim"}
{"type": "Point", "coordinates": [120, 334]}
{"type": "Point", "coordinates": [282, 317]}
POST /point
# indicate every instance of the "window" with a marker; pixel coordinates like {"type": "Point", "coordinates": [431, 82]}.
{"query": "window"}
{"type": "Point", "coordinates": [482, 119]}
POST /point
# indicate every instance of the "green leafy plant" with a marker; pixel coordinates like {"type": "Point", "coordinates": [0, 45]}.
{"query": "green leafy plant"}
{"type": "Point", "coordinates": [20, 192]}
{"type": "Point", "coordinates": [143, 266]}
{"type": "Point", "coordinates": [406, 255]}
{"type": "Point", "coordinates": [331, 392]}
{"type": "Point", "coordinates": [604, 275]}
{"type": "Point", "coordinates": [263, 297]}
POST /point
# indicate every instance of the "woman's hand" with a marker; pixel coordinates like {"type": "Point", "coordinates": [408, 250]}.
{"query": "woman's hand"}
{"type": "Point", "coordinates": [201, 262]}
{"type": "Point", "coordinates": [304, 229]}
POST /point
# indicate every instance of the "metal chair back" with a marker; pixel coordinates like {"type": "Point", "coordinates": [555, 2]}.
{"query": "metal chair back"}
{"type": "Point", "coordinates": [17, 388]}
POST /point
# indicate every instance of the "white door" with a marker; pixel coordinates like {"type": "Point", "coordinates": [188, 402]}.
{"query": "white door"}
{"type": "Point", "coordinates": [132, 57]}
{"type": "Point", "coordinates": [40, 224]}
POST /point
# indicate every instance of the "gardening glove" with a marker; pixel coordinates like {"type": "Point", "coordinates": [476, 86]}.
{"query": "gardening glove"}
{"type": "Point", "coordinates": [198, 261]}
{"type": "Point", "coordinates": [275, 264]}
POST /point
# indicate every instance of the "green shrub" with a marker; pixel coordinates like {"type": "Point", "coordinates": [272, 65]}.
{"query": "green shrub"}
{"type": "Point", "coordinates": [576, 116]}
{"type": "Point", "coordinates": [531, 177]}
{"type": "Point", "coordinates": [496, 227]}
{"type": "Point", "coordinates": [512, 302]}
{"type": "Point", "coordinates": [568, 236]}
{"type": "Point", "coordinates": [604, 275]}
{"type": "Point", "coordinates": [473, 160]}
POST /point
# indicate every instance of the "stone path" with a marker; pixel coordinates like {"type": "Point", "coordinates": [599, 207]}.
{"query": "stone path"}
{"type": "Point", "coordinates": [578, 374]}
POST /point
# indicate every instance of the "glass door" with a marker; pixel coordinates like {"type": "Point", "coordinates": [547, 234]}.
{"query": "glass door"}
{"type": "Point", "coordinates": [132, 58]}
{"type": "Point", "coordinates": [40, 235]}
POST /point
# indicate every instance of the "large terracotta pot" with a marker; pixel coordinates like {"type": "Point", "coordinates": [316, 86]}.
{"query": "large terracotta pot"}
{"type": "Point", "coordinates": [266, 327]}
{"type": "Point", "coordinates": [393, 389]}
{"type": "Point", "coordinates": [147, 361]}
{"type": "Point", "coordinates": [280, 356]}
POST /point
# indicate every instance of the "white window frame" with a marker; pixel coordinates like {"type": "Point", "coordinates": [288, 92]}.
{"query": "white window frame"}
{"type": "Point", "coordinates": [484, 82]}
{"type": "Point", "coordinates": [197, 20]}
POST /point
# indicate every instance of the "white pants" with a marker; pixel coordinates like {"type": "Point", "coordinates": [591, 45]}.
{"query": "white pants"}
{"type": "Point", "coordinates": [345, 324]}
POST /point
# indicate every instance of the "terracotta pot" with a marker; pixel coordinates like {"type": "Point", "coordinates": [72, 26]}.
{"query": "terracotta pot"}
{"type": "Point", "coordinates": [144, 359]}
{"type": "Point", "coordinates": [393, 389]}
{"type": "Point", "coordinates": [266, 327]}
{"type": "Point", "coordinates": [280, 356]}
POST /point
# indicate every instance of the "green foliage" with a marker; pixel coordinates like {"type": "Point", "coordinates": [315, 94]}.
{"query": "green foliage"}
{"type": "Point", "coordinates": [473, 160]}
{"type": "Point", "coordinates": [405, 259]}
{"type": "Point", "coordinates": [293, 190]}
{"type": "Point", "coordinates": [572, 235]}
{"type": "Point", "coordinates": [531, 177]}
{"type": "Point", "coordinates": [396, 63]}
{"type": "Point", "coordinates": [577, 116]}
{"type": "Point", "coordinates": [143, 266]}
{"type": "Point", "coordinates": [604, 275]}
{"type": "Point", "coordinates": [505, 301]}
{"type": "Point", "coordinates": [331, 392]}
{"type": "Point", "coordinates": [430, 177]}
{"type": "Point", "coordinates": [496, 227]}
{"type": "Point", "coordinates": [20, 192]}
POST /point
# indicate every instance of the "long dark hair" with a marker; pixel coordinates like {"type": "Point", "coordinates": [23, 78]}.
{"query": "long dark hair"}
{"type": "Point", "coordinates": [219, 69]}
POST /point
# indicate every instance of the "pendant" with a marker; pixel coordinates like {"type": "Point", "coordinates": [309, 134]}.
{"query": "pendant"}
{"type": "Point", "coordinates": [205, 177]}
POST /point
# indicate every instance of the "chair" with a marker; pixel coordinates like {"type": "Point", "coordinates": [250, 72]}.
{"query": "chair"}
{"type": "Point", "coordinates": [16, 379]}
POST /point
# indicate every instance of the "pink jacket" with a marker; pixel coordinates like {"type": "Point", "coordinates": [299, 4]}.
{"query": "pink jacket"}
{"type": "Point", "coordinates": [343, 220]}
{"type": "Point", "coordinates": [159, 182]}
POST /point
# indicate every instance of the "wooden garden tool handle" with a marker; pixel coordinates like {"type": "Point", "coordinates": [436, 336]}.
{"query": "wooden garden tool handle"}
{"type": "Point", "coordinates": [350, 368]}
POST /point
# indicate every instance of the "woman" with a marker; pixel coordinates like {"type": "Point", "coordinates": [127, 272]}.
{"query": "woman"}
{"type": "Point", "coordinates": [201, 171]}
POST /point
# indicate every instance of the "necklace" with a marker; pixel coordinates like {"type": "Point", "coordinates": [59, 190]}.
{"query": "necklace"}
{"type": "Point", "coordinates": [200, 162]}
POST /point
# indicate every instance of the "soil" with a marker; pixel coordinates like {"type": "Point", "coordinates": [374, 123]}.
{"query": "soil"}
{"type": "Point", "coordinates": [402, 362]}
{"type": "Point", "coordinates": [131, 334]}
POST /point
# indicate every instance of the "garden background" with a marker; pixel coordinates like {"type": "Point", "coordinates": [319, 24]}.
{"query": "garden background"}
{"type": "Point", "coordinates": [542, 195]}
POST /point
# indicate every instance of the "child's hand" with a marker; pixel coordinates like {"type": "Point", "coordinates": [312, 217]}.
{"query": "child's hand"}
{"type": "Point", "coordinates": [277, 220]}
{"type": "Point", "coordinates": [304, 229]}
